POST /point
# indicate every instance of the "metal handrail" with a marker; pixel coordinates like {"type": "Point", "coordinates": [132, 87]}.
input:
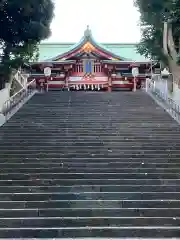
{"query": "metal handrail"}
{"type": "Point", "coordinates": [18, 98]}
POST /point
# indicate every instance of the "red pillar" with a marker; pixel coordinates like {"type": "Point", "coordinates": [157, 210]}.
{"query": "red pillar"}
{"type": "Point", "coordinates": [109, 89]}
{"type": "Point", "coordinates": [109, 84]}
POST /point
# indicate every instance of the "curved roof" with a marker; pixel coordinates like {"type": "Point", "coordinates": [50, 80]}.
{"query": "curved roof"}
{"type": "Point", "coordinates": [112, 51]}
{"type": "Point", "coordinates": [87, 39]}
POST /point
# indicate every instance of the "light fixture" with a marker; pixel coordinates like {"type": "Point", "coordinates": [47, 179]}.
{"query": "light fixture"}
{"type": "Point", "coordinates": [165, 72]}
{"type": "Point", "coordinates": [113, 75]}
{"type": "Point", "coordinates": [62, 75]}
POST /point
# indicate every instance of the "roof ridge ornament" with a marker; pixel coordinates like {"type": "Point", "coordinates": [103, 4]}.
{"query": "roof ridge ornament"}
{"type": "Point", "coordinates": [87, 32]}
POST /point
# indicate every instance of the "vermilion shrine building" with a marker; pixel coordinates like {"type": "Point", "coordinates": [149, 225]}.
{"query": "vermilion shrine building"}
{"type": "Point", "coordinates": [90, 65]}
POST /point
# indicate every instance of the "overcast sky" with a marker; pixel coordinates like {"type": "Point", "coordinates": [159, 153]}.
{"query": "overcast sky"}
{"type": "Point", "coordinates": [109, 20]}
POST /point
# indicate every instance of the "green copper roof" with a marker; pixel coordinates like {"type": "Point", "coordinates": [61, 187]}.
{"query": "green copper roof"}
{"type": "Point", "coordinates": [128, 51]}
{"type": "Point", "coordinates": [52, 51]}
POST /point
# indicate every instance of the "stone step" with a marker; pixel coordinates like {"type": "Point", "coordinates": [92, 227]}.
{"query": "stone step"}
{"type": "Point", "coordinates": [89, 232]}
{"type": "Point", "coordinates": [86, 126]}
{"type": "Point", "coordinates": [79, 222]}
{"type": "Point", "coordinates": [100, 175]}
{"type": "Point", "coordinates": [32, 116]}
{"type": "Point", "coordinates": [80, 189]}
{"type": "Point", "coordinates": [89, 131]}
{"type": "Point", "coordinates": [78, 195]}
{"type": "Point", "coordinates": [10, 165]}
{"type": "Point", "coordinates": [84, 148]}
{"type": "Point", "coordinates": [90, 212]}
{"type": "Point", "coordinates": [34, 181]}
{"type": "Point", "coordinates": [95, 154]}
{"type": "Point", "coordinates": [70, 142]}
{"type": "Point", "coordinates": [62, 169]}
{"type": "Point", "coordinates": [83, 135]}
{"type": "Point", "coordinates": [91, 159]}
{"type": "Point", "coordinates": [132, 123]}
{"type": "Point", "coordinates": [61, 138]}
{"type": "Point", "coordinates": [70, 203]}
{"type": "Point", "coordinates": [89, 145]}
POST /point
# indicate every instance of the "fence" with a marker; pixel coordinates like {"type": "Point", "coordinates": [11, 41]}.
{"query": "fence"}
{"type": "Point", "coordinates": [18, 98]}
{"type": "Point", "coordinates": [172, 107]}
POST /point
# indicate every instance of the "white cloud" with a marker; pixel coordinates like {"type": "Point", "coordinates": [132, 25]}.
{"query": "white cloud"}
{"type": "Point", "coordinates": [109, 20]}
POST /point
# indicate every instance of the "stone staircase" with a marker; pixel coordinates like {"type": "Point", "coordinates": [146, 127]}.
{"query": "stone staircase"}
{"type": "Point", "coordinates": [90, 164]}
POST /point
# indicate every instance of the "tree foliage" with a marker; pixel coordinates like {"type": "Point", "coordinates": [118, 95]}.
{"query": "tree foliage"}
{"type": "Point", "coordinates": [23, 24]}
{"type": "Point", "coordinates": [154, 14]}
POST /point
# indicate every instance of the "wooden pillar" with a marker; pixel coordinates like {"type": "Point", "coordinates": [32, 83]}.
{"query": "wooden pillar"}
{"type": "Point", "coordinates": [84, 66]}
{"type": "Point", "coordinates": [66, 79]}
{"type": "Point", "coordinates": [92, 67]}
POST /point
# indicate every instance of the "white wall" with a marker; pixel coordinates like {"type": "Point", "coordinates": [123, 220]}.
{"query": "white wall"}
{"type": "Point", "coordinates": [4, 96]}
{"type": "Point", "coordinates": [166, 87]}
{"type": "Point", "coordinates": [176, 93]}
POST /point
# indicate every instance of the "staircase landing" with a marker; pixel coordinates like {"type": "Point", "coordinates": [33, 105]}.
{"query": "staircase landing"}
{"type": "Point", "coordinates": [90, 164]}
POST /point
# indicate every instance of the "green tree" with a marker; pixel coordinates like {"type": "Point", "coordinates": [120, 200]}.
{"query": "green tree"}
{"type": "Point", "coordinates": [23, 24]}
{"type": "Point", "coordinates": [160, 26]}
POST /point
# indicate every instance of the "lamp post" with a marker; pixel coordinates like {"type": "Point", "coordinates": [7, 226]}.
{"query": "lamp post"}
{"type": "Point", "coordinates": [47, 74]}
{"type": "Point", "coordinates": [135, 73]}
{"type": "Point", "coordinates": [165, 74]}
{"type": "Point", "coordinates": [111, 80]}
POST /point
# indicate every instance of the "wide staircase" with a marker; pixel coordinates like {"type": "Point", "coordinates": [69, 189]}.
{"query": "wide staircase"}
{"type": "Point", "coordinates": [89, 164]}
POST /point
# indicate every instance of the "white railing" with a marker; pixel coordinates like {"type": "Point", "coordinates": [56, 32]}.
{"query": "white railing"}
{"type": "Point", "coordinates": [18, 98]}
{"type": "Point", "coordinates": [171, 106]}
{"type": "Point", "coordinates": [21, 78]}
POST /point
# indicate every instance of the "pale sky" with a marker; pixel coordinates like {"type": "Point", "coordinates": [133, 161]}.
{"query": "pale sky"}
{"type": "Point", "coordinates": [109, 21]}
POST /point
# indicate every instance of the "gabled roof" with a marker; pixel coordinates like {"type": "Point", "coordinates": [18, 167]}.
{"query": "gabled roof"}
{"type": "Point", "coordinates": [87, 44]}
{"type": "Point", "coordinates": [117, 51]}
